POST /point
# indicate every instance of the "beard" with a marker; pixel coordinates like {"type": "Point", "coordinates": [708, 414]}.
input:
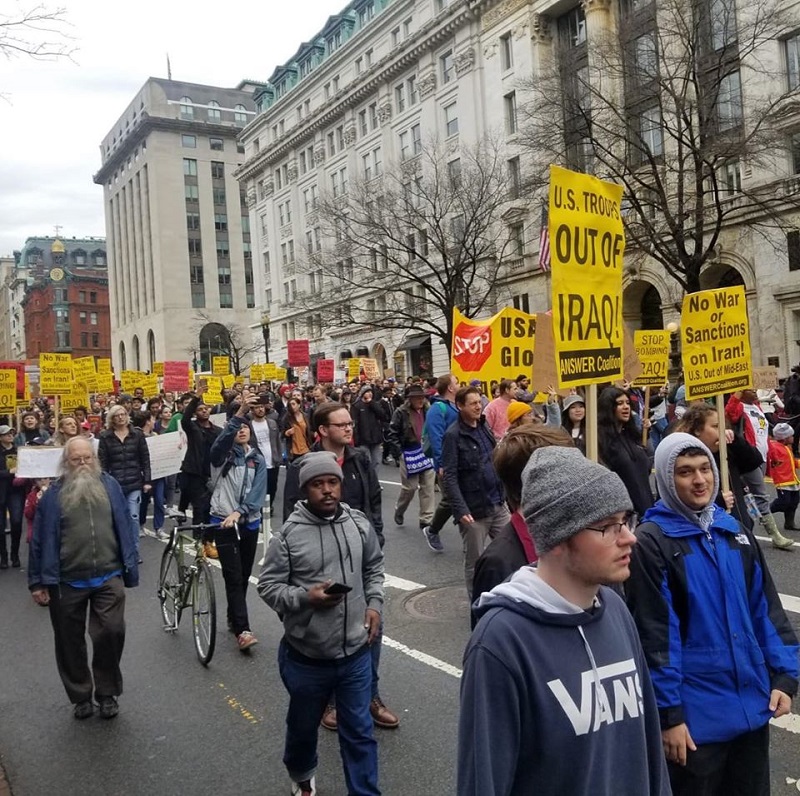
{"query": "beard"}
{"type": "Point", "coordinates": [83, 487]}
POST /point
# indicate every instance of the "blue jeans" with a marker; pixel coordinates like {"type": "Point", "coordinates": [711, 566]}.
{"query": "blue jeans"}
{"type": "Point", "coordinates": [157, 495]}
{"type": "Point", "coordinates": [134, 499]}
{"type": "Point", "coordinates": [309, 686]}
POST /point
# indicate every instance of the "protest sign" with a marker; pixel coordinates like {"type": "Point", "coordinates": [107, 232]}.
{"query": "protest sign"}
{"type": "Point", "coordinates": [166, 453]}
{"type": "Point", "coordinates": [715, 342]}
{"type": "Point", "coordinates": [652, 348]}
{"type": "Point", "coordinates": [40, 461]}
{"type": "Point", "coordinates": [176, 376]}
{"type": "Point", "coordinates": [158, 368]}
{"type": "Point", "coordinates": [84, 371]}
{"type": "Point", "coordinates": [214, 393]}
{"type": "Point", "coordinates": [270, 372]}
{"type": "Point", "coordinates": [78, 397]}
{"type": "Point", "coordinates": [19, 369]}
{"type": "Point", "coordinates": [150, 386]}
{"type": "Point", "coordinates": [104, 382]}
{"type": "Point", "coordinates": [104, 365]}
{"type": "Point", "coordinates": [8, 391]}
{"type": "Point", "coordinates": [370, 367]}
{"type": "Point", "coordinates": [219, 419]}
{"type": "Point", "coordinates": [587, 242]}
{"type": "Point", "coordinates": [500, 347]}
{"type": "Point", "coordinates": [220, 366]}
{"type": "Point", "coordinates": [256, 373]}
{"type": "Point", "coordinates": [353, 368]}
{"type": "Point", "coordinates": [55, 374]}
{"type": "Point", "coordinates": [280, 374]}
{"type": "Point", "coordinates": [765, 378]}
{"type": "Point", "coordinates": [133, 379]}
{"type": "Point", "coordinates": [325, 369]}
{"type": "Point", "coordinates": [298, 353]}
{"type": "Point", "coordinates": [228, 380]}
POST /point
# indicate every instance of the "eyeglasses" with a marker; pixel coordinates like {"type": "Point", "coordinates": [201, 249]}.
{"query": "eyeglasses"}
{"type": "Point", "coordinates": [80, 459]}
{"type": "Point", "coordinates": [342, 425]}
{"type": "Point", "coordinates": [612, 530]}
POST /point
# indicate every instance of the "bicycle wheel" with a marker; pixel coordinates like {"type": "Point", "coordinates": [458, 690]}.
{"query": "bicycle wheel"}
{"type": "Point", "coordinates": [204, 613]}
{"type": "Point", "coordinates": [169, 586]}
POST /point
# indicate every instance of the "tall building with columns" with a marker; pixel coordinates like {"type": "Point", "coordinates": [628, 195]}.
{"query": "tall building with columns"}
{"type": "Point", "coordinates": [177, 226]}
{"type": "Point", "coordinates": [384, 75]}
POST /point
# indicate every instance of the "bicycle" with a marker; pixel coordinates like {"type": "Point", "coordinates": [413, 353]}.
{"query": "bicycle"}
{"type": "Point", "coordinates": [182, 585]}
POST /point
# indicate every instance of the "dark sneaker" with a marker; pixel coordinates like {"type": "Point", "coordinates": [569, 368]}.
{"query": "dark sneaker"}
{"type": "Point", "coordinates": [3, 563]}
{"type": "Point", "coordinates": [382, 716]}
{"type": "Point", "coordinates": [433, 540]}
{"type": "Point", "coordinates": [398, 517]}
{"type": "Point", "coordinates": [329, 721]}
{"type": "Point", "coordinates": [15, 563]}
{"type": "Point", "coordinates": [108, 707]}
{"type": "Point", "coordinates": [83, 710]}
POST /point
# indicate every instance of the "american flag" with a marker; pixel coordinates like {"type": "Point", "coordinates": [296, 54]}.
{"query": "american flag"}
{"type": "Point", "coordinates": [544, 242]}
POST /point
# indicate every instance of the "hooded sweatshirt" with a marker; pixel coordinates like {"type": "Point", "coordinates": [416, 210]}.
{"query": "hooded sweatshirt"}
{"type": "Point", "coordinates": [715, 635]}
{"type": "Point", "coordinates": [556, 700]}
{"type": "Point", "coordinates": [309, 550]}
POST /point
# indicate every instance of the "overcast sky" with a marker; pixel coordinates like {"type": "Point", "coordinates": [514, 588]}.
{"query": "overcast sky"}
{"type": "Point", "coordinates": [54, 115]}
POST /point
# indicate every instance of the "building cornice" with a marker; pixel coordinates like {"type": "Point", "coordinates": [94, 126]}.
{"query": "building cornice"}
{"type": "Point", "coordinates": [388, 68]}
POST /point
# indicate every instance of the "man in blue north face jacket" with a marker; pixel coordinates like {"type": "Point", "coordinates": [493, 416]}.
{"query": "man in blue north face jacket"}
{"type": "Point", "coordinates": [721, 652]}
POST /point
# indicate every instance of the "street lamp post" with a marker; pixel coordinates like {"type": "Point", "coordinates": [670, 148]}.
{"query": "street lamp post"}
{"type": "Point", "coordinates": [265, 332]}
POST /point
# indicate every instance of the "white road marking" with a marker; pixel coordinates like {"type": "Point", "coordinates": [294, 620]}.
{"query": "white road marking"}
{"type": "Point", "coordinates": [401, 583]}
{"type": "Point", "coordinates": [422, 657]}
{"type": "Point", "coordinates": [791, 722]}
{"type": "Point", "coordinates": [390, 483]}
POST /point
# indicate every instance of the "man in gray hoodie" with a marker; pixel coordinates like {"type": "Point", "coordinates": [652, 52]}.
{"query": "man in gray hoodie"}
{"type": "Point", "coordinates": [556, 697]}
{"type": "Point", "coordinates": [323, 575]}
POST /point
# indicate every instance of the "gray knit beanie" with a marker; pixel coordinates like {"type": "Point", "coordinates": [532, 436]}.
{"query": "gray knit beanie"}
{"type": "Point", "coordinates": [563, 492]}
{"type": "Point", "coordinates": [318, 463]}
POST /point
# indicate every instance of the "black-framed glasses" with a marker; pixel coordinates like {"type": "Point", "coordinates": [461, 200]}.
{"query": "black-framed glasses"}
{"type": "Point", "coordinates": [612, 530]}
{"type": "Point", "coordinates": [342, 425]}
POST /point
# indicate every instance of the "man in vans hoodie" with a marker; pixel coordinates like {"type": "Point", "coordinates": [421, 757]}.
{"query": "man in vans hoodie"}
{"type": "Point", "coordinates": [556, 698]}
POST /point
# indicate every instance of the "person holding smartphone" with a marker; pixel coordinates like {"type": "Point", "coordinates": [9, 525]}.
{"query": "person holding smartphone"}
{"type": "Point", "coordinates": [323, 575]}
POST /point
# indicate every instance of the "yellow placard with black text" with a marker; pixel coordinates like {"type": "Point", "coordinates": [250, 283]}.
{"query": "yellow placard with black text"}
{"type": "Point", "coordinates": [652, 348]}
{"type": "Point", "coordinates": [587, 244]}
{"type": "Point", "coordinates": [55, 374]}
{"type": "Point", "coordinates": [220, 366]}
{"type": "Point", "coordinates": [496, 348]}
{"type": "Point", "coordinates": [715, 342]}
{"type": "Point", "coordinates": [280, 374]}
{"type": "Point", "coordinates": [256, 373]}
{"type": "Point", "coordinates": [8, 391]}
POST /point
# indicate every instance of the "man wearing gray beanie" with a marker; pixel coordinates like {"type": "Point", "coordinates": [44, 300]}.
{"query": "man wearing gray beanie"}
{"type": "Point", "coordinates": [721, 651]}
{"type": "Point", "coordinates": [556, 696]}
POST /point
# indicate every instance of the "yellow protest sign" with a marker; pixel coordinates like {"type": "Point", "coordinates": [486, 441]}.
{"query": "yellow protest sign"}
{"type": "Point", "coordinates": [104, 366]}
{"type": "Point", "coordinates": [270, 372]}
{"type": "Point", "coordinates": [353, 368]}
{"type": "Point", "coordinates": [500, 347]}
{"type": "Point", "coordinates": [158, 368]}
{"type": "Point", "coordinates": [280, 374]}
{"type": "Point", "coordinates": [104, 382]}
{"type": "Point", "coordinates": [228, 380]}
{"type": "Point", "coordinates": [55, 374]}
{"type": "Point", "coordinates": [78, 397]}
{"type": "Point", "coordinates": [150, 386]}
{"type": "Point", "coordinates": [256, 373]}
{"type": "Point", "coordinates": [371, 370]}
{"type": "Point", "coordinates": [652, 348]}
{"type": "Point", "coordinates": [715, 342]}
{"type": "Point", "coordinates": [131, 379]}
{"type": "Point", "coordinates": [220, 366]}
{"type": "Point", "coordinates": [587, 243]}
{"type": "Point", "coordinates": [8, 391]}
{"type": "Point", "coordinates": [214, 393]}
{"type": "Point", "coordinates": [83, 368]}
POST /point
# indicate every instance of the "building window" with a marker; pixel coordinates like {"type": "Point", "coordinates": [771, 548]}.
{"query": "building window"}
{"type": "Point", "coordinates": [84, 339]}
{"type": "Point", "coordinates": [218, 195]}
{"type": "Point", "coordinates": [516, 234]}
{"type": "Point", "coordinates": [366, 13]}
{"type": "Point", "coordinates": [223, 249]}
{"type": "Point", "coordinates": [93, 319]}
{"type": "Point", "coordinates": [506, 52]}
{"type": "Point", "coordinates": [362, 123]}
{"type": "Point", "coordinates": [221, 222]}
{"type": "Point", "coordinates": [373, 116]}
{"type": "Point", "coordinates": [93, 298]}
{"type": "Point", "coordinates": [95, 340]}
{"type": "Point", "coordinates": [729, 102]}
{"type": "Point", "coordinates": [190, 167]}
{"type": "Point", "coordinates": [510, 108]}
{"type": "Point", "coordinates": [454, 173]}
{"type": "Point", "coordinates": [189, 141]}
{"type": "Point", "coordinates": [446, 66]}
{"type": "Point", "coordinates": [729, 178]}
{"type": "Point", "coordinates": [285, 212]}
{"type": "Point", "coordinates": [450, 120]}
{"type": "Point", "coordinates": [195, 247]}
{"type": "Point", "coordinates": [193, 220]}
{"type": "Point", "coordinates": [793, 61]}
{"type": "Point", "coordinates": [187, 111]}
{"type": "Point", "coordinates": [216, 144]}
{"type": "Point", "coordinates": [240, 115]}
{"type": "Point", "coordinates": [191, 193]}
{"type": "Point", "coordinates": [651, 132]}
{"type": "Point", "coordinates": [196, 274]}
{"type": "Point", "coordinates": [722, 17]}
{"type": "Point", "coordinates": [82, 318]}
{"type": "Point", "coordinates": [287, 252]}
{"type": "Point", "coordinates": [645, 57]}
{"type": "Point", "coordinates": [520, 302]}
{"type": "Point", "coordinates": [62, 339]}
{"type": "Point", "coordinates": [793, 247]}
{"type": "Point", "coordinates": [217, 170]}
{"type": "Point", "coordinates": [410, 142]}
{"type": "Point", "coordinates": [572, 27]}
{"type": "Point", "coordinates": [214, 113]}
{"type": "Point", "coordinates": [795, 147]}
{"type": "Point", "coordinates": [372, 164]}
{"type": "Point", "coordinates": [82, 296]}
{"type": "Point", "coordinates": [514, 178]}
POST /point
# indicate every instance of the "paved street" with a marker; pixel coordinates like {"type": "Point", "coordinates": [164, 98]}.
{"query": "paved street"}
{"type": "Point", "coordinates": [183, 728]}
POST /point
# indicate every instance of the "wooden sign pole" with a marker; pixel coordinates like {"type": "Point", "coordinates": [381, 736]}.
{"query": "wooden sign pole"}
{"type": "Point", "coordinates": [591, 423]}
{"type": "Point", "coordinates": [723, 446]}
{"type": "Point", "coordinates": [645, 415]}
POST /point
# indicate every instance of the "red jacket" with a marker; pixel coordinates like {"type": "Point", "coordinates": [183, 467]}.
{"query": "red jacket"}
{"type": "Point", "coordinates": [734, 410]}
{"type": "Point", "coordinates": [781, 465]}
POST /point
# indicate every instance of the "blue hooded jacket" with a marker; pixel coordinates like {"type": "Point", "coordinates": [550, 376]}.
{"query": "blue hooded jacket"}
{"type": "Point", "coordinates": [716, 637]}
{"type": "Point", "coordinates": [556, 700]}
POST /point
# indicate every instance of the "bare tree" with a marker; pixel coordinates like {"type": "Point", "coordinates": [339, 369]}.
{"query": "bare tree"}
{"type": "Point", "coordinates": [658, 107]}
{"type": "Point", "coordinates": [224, 340]}
{"type": "Point", "coordinates": [409, 245]}
{"type": "Point", "coordinates": [38, 32]}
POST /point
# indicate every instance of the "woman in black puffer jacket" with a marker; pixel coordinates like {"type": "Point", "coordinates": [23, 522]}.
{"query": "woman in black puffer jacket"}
{"type": "Point", "coordinates": [123, 454]}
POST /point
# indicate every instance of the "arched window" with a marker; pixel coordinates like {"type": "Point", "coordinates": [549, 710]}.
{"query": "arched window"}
{"type": "Point", "coordinates": [214, 342]}
{"type": "Point", "coordinates": [137, 364]}
{"type": "Point", "coordinates": [187, 111]}
{"type": "Point", "coordinates": [123, 360]}
{"type": "Point", "coordinates": [240, 115]}
{"type": "Point", "coordinates": [98, 257]}
{"type": "Point", "coordinates": [214, 113]}
{"type": "Point", "coordinates": [151, 348]}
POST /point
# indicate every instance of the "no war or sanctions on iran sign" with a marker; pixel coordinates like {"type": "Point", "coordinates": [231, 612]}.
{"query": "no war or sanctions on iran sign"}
{"type": "Point", "coordinates": [587, 243]}
{"type": "Point", "coordinates": [715, 337]}
{"type": "Point", "coordinates": [500, 347]}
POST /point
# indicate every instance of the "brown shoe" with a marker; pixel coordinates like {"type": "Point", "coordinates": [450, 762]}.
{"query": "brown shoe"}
{"type": "Point", "coordinates": [382, 716]}
{"type": "Point", "coordinates": [329, 719]}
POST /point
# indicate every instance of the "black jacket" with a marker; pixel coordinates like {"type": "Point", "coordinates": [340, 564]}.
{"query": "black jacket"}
{"type": "Point", "coordinates": [369, 419]}
{"type": "Point", "coordinates": [631, 462]}
{"type": "Point", "coordinates": [401, 432]}
{"type": "Point", "coordinates": [360, 489]}
{"type": "Point", "coordinates": [129, 461]}
{"type": "Point", "coordinates": [200, 439]}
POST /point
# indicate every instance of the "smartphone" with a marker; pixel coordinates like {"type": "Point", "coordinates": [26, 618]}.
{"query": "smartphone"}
{"type": "Point", "coordinates": [338, 588]}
